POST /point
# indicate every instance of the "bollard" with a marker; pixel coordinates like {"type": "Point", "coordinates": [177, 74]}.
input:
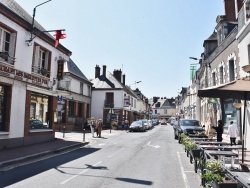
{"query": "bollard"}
{"type": "Point", "coordinates": [63, 131]}
{"type": "Point", "coordinates": [83, 135]}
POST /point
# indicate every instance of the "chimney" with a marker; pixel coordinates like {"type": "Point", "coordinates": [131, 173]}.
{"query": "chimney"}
{"type": "Point", "coordinates": [123, 80]}
{"type": "Point", "coordinates": [118, 75]}
{"type": "Point", "coordinates": [104, 70]}
{"type": "Point", "coordinates": [97, 71]}
{"type": "Point", "coordinates": [239, 5]}
{"type": "Point", "coordinates": [230, 10]}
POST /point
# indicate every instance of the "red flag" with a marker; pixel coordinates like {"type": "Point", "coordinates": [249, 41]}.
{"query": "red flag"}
{"type": "Point", "coordinates": [58, 36]}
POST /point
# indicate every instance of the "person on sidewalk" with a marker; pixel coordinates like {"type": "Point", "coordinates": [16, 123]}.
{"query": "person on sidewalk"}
{"type": "Point", "coordinates": [219, 130]}
{"type": "Point", "coordinates": [92, 126]}
{"type": "Point", "coordinates": [99, 127]}
{"type": "Point", "coordinates": [232, 132]}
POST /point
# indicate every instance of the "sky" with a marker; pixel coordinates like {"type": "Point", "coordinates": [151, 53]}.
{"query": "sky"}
{"type": "Point", "coordinates": [149, 40]}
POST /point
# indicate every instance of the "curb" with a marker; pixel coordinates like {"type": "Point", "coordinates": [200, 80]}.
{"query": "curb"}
{"type": "Point", "coordinates": [41, 154]}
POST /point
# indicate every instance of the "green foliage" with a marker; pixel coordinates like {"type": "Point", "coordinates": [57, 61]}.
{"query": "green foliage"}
{"type": "Point", "coordinates": [188, 142]}
{"type": "Point", "coordinates": [214, 171]}
{"type": "Point", "coordinates": [210, 177]}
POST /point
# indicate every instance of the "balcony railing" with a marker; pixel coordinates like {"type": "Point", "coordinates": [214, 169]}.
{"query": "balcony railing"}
{"type": "Point", "coordinates": [41, 71]}
{"type": "Point", "coordinates": [64, 85]}
{"type": "Point", "coordinates": [108, 104]}
{"type": "Point", "coordinates": [5, 57]}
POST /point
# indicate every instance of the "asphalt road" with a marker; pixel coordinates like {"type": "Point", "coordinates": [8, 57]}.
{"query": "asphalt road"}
{"type": "Point", "coordinates": [141, 159]}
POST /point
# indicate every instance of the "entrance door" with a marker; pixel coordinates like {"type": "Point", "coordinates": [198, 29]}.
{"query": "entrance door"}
{"type": "Point", "coordinates": [2, 107]}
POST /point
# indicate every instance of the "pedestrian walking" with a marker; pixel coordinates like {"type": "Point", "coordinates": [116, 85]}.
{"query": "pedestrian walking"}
{"type": "Point", "coordinates": [92, 126]}
{"type": "Point", "coordinates": [99, 127]}
{"type": "Point", "coordinates": [219, 130]}
{"type": "Point", "coordinates": [232, 132]}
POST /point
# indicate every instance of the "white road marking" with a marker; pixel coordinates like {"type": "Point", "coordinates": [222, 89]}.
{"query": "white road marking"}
{"type": "Point", "coordinates": [182, 171]}
{"type": "Point", "coordinates": [116, 152]}
{"type": "Point", "coordinates": [67, 180]}
{"type": "Point", "coordinates": [153, 146]}
{"type": "Point", "coordinates": [102, 144]}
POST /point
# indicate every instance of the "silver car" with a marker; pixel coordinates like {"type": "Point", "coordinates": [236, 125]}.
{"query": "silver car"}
{"type": "Point", "coordinates": [137, 126]}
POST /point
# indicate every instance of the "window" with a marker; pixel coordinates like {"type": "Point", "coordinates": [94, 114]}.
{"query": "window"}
{"type": "Point", "coordinates": [221, 75]}
{"type": "Point", "coordinates": [81, 88]}
{"type": "Point", "coordinates": [39, 111]}
{"type": "Point", "coordinates": [7, 45]}
{"type": "Point", "coordinates": [213, 79]}
{"type": "Point", "coordinates": [79, 109]}
{"type": "Point", "coordinates": [71, 108]}
{"type": "Point", "coordinates": [165, 111]}
{"type": "Point", "coordinates": [231, 70]}
{"type": "Point", "coordinates": [41, 64]}
{"type": "Point", "coordinates": [155, 111]}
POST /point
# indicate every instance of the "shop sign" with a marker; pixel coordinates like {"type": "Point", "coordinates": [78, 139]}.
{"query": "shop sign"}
{"type": "Point", "coordinates": [22, 76]}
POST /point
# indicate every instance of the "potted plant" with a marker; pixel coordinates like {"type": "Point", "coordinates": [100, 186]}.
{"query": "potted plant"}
{"type": "Point", "coordinates": [216, 177]}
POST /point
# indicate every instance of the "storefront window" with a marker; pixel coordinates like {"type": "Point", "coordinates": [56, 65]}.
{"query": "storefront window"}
{"type": "Point", "coordinates": [39, 111]}
{"type": "Point", "coordinates": [230, 112]}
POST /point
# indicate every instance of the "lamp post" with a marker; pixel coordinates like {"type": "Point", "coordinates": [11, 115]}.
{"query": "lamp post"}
{"type": "Point", "coordinates": [34, 13]}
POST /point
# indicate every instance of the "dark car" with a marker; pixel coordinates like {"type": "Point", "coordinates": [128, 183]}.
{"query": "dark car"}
{"type": "Point", "coordinates": [37, 124]}
{"type": "Point", "coordinates": [137, 126]}
{"type": "Point", "coordinates": [188, 127]}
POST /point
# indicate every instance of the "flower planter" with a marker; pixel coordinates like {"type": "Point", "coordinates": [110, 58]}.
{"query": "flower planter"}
{"type": "Point", "coordinates": [224, 185]}
{"type": "Point", "coordinates": [194, 155]}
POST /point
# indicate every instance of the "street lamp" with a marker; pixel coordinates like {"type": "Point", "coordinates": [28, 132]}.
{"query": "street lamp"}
{"type": "Point", "coordinates": [136, 82]}
{"type": "Point", "coordinates": [34, 12]}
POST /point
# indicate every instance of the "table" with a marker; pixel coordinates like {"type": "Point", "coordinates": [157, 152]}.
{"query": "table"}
{"type": "Point", "coordinates": [222, 153]}
{"type": "Point", "coordinates": [203, 139]}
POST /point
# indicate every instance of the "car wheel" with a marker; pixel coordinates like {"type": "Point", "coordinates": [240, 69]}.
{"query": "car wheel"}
{"type": "Point", "coordinates": [179, 138]}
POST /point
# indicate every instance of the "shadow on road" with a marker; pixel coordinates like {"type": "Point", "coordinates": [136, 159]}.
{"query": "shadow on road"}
{"type": "Point", "coordinates": [23, 172]}
{"type": "Point", "coordinates": [130, 180]}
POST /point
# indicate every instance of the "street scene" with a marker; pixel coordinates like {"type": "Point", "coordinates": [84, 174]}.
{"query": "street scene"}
{"type": "Point", "coordinates": [110, 93]}
{"type": "Point", "coordinates": [118, 159]}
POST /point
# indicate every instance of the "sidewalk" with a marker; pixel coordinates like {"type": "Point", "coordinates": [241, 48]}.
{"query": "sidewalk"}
{"type": "Point", "coordinates": [72, 140]}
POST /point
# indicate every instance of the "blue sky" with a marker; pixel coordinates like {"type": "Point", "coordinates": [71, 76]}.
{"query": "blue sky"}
{"type": "Point", "coordinates": [150, 40]}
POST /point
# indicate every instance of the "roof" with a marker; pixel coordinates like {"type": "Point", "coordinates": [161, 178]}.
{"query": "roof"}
{"type": "Point", "coordinates": [73, 69]}
{"type": "Point", "coordinates": [108, 82]}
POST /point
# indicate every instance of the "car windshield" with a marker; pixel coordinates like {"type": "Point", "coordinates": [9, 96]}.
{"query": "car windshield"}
{"type": "Point", "coordinates": [190, 123]}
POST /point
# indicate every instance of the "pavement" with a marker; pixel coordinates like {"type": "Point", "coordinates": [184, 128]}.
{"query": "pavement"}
{"type": "Point", "coordinates": [64, 142]}
{"type": "Point", "coordinates": [12, 157]}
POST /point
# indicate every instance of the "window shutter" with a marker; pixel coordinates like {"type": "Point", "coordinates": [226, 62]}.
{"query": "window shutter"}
{"type": "Point", "coordinates": [36, 62]}
{"type": "Point", "coordinates": [1, 40]}
{"type": "Point", "coordinates": [46, 60]}
{"type": "Point", "coordinates": [12, 46]}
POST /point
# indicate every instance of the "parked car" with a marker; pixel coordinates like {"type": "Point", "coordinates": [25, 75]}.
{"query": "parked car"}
{"type": "Point", "coordinates": [150, 124]}
{"type": "Point", "coordinates": [187, 126]}
{"type": "Point", "coordinates": [145, 123]}
{"type": "Point", "coordinates": [163, 122]}
{"type": "Point", "coordinates": [172, 122]}
{"type": "Point", "coordinates": [137, 126]}
{"type": "Point", "coordinates": [155, 122]}
{"type": "Point", "coordinates": [37, 124]}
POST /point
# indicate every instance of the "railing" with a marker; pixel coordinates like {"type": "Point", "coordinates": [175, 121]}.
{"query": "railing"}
{"type": "Point", "coordinates": [64, 85]}
{"type": "Point", "coordinates": [108, 104]}
{"type": "Point", "coordinates": [41, 71]}
{"type": "Point", "coordinates": [4, 56]}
